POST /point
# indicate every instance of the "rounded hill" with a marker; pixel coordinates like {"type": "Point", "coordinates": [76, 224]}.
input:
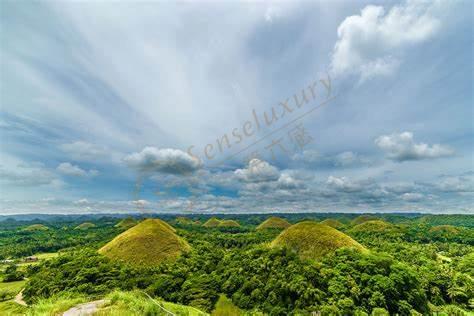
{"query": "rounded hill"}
{"type": "Point", "coordinates": [212, 222]}
{"type": "Point", "coordinates": [181, 220]}
{"type": "Point", "coordinates": [147, 243]}
{"type": "Point", "coordinates": [85, 226]}
{"type": "Point", "coordinates": [311, 240]}
{"type": "Point", "coordinates": [274, 223]}
{"type": "Point", "coordinates": [362, 219]}
{"type": "Point", "coordinates": [334, 223]}
{"type": "Point", "coordinates": [35, 227]}
{"type": "Point", "coordinates": [372, 226]}
{"type": "Point", "coordinates": [228, 223]}
{"type": "Point", "coordinates": [126, 223]}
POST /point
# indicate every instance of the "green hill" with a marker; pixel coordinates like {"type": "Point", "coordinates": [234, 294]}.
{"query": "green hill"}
{"type": "Point", "coordinates": [313, 241]}
{"type": "Point", "coordinates": [274, 223]}
{"type": "Point", "coordinates": [362, 219]}
{"type": "Point", "coordinates": [85, 226]}
{"type": "Point", "coordinates": [147, 243]}
{"type": "Point", "coordinates": [35, 227]}
{"type": "Point", "coordinates": [181, 220]}
{"type": "Point", "coordinates": [212, 222]}
{"type": "Point", "coordinates": [126, 223]}
{"type": "Point", "coordinates": [372, 226]}
{"type": "Point", "coordinates": [228, 223]}
{"type": "Point", "coordinates": [334, 223]}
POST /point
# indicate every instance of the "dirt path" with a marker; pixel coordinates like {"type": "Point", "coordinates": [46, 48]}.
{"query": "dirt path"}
{"type": "Point", "coordinates": [19, 299]}
{"type": "Point", "coordinates": [84, 309]}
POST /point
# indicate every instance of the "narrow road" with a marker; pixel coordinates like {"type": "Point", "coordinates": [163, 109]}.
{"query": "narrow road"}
{"type": "Point", "coordinates": [85, 309]}
{"type": "Point", "coordinates": [19, 299]}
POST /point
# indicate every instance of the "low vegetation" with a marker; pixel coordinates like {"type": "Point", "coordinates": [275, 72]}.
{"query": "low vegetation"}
{"type": "Point", "coordinates": [225, 307]}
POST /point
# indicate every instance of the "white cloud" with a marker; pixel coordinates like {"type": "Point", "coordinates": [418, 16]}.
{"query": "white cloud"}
{"type": "Point", "coordinates": [412, 197]}
{"type": "Point", "coordinates": [463, 183]}
{"type": "Point", "coordinates": [81, 202]}
{"type": "Point", "coordinates": [69, 169]}
{"type": "Point", "coordinates": [140, 203]}
{"type": "Point", "coordinates": [257, 171]}
{"type": "Point", "coordinates": [172, 161]}
{"type": "Point", "coordinates": [343, 184]}
{"type": "Point", "coordinates": [372, 43]}
{"type": "Point", "coordinates": [402, 147]}
{"type": "Point", "coordinates": [272, 13]}
{"type": "Point", "coordinates": [287, 182]}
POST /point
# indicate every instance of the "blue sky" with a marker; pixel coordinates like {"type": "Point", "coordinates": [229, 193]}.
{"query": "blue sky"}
{"type": "Point", "coordinates": [150, 107]}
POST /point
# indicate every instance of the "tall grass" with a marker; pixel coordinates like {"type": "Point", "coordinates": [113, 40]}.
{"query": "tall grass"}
{"type": "Point", "coordinates": [55, 305]}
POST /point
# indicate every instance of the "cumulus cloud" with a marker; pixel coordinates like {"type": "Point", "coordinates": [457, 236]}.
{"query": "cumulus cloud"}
{"type": "Point", "coordinates": [68, 169]}
{"type": "Point", "coordinates": [402, 147]}
{"type": "Point", "coordinates": [140, 203]}
{"type": "Point", "coordinates": [372, 43]}
{"type": "Point", "coordinates": [257, 171]}
{"type": "Point", "coordinates": [287, 182]}
{"type": "Point", "coordinates": [463, 183]}
{"type": "Point", "coordinates": [171, 161]}
{"type": "Point", "coordinates": [344, 184]}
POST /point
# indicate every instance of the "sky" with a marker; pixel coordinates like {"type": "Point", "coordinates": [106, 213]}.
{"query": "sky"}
{"type": "Point", "coordinates": [236, 107]}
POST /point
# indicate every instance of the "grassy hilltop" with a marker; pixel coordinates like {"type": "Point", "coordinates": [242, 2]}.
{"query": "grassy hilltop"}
{"type": "Point", "coordinates": [312, 240]}
{"type": "Point", "coordinates": [372, 226]}
{"type": "Point", "coordinates": [148, 243]}
{"type": "Point", "coordinates": [212, 222]}
{"type": "Point", "coordinates": [85, 226]}
{"type": "Point", "coordinates": [274, 223]}
{"type": "Point", "coordinates": [35, 227]}
{"type": "Point", "coordinates": [334, 223]}
{"type": "Point", "coordinates": [228, 223]}
{"type": "Point", "coordinates": [126, 223]}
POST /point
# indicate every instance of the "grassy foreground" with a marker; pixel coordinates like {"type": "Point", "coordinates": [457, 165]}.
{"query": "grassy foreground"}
{"type": "Point", "coordinates": [117, 303]}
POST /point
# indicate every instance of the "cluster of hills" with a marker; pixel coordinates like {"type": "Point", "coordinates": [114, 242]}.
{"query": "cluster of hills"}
{"type": "Point", "coordinates": [215, 222]}
{"type": "Point", "coordinates": [153, 241]}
